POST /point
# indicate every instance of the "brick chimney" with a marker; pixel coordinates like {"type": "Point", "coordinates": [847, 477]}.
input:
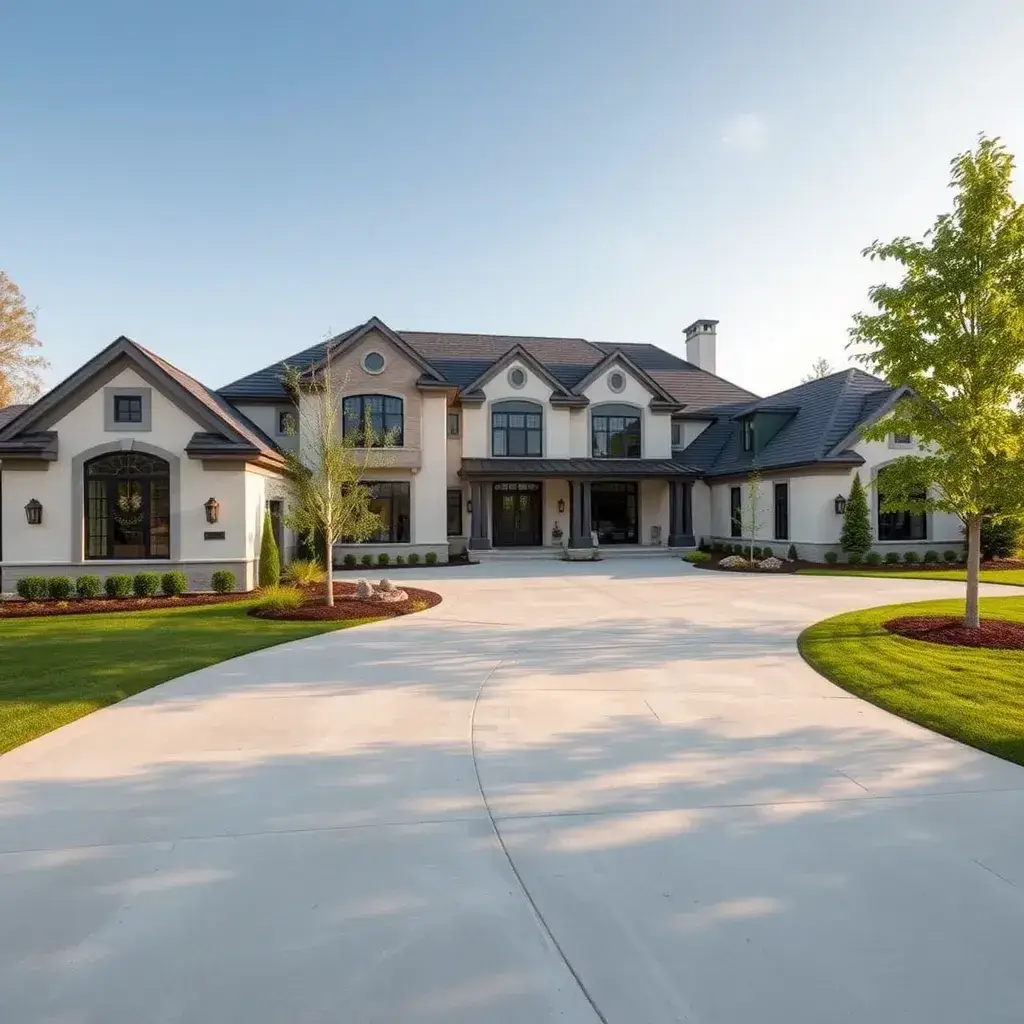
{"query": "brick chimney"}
{"type": "Point", "coordinates": [700, 344]}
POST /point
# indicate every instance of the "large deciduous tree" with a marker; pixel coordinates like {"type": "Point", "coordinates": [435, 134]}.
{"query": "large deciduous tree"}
{"type": "Point", "coordinates": [20, 367]}
{"type": "Point", "coordinates": [952, 332]}
{"type": "Point", "coordinates": [325, 497]}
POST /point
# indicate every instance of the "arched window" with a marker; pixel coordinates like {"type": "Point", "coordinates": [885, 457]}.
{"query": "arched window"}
{"type": "Point", "coordinates": [615, 432]}
{"type": "Point", "coordinates": [517, 428]}
{"type": "Point", "coordinates": [381, 415]}
{"type": "Point", "coordinates": [127, 506]}
{"type": "Point", "coordinates": [900, 525]}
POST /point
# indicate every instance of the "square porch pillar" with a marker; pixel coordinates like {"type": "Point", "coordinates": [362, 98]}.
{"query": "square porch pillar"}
{"type": "Point", "coordinates": [680, 515]}
{"type": "Point", "coordinates": [579, 514]}
{"type": "Point", "coordinates": [479, 539]}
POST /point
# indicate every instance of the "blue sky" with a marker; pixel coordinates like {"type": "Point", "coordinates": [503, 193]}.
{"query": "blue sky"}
{"type": "Point", "coordinates": [226, 182]}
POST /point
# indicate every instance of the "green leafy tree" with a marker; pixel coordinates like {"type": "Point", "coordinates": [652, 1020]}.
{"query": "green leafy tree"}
{"type": "Point", "coordinates": [325, 499]}
{"type": "Point", "coordinates": [856, 535]}
{"type": "Point", "coordinates": [952, 331]}
{"type": "Point", "coordinates": [270, 557]}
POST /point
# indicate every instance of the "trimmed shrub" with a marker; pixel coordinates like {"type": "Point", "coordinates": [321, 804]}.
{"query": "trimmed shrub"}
{"type": "Point", "coordinates": [270, 557]}
{"type": "Point", "coordinates": [767, 552]}
{"type": "Point", "coordinates": [911, 558]}
{"type": "Point", "coordinates": [414, 558]}
{"type": "Point", "coordinates": [60, 588]}
{"type": "Point", "coordinates": [222, 581]}
{"type": "Point", "coordinates": [792, 554]}
{"type": "Point", "coordinates": [756, 552]}
{"type": "Point", "coordinates": [704, 546]}
{"type": "Point", "coordinates": [350, 561]}
{"type": "Point", "coordinates": [931, 556]}
{"type": "Point", "coordinates": [174, 584]}
{"type": "Point", "coordinates": [383, 558]}
{"type": "Point", "coordinates": [305, 572]}
{"type": "Point", "coordinates": [892, 558]}
{"type": "Point", "coordinates": [278, 599]}
{"type": "Point", "coordinates": [1000, 540]}
{"type": "Point", "coordinates": [734, 562]}
{"type": "Point", "coordinates": [854, 558]}
{"type": "Point", "coordinates": [88, 586]}
{"type": "Point", "coordinates": [33, 588]}
{"type": "Point", "coordinates": [873, 558]}
{"type": "Point", "coordinates": [717, 547]}
{"type": "Point", "coordinates": [430, 558]}
{"type": "Point", "coordinates": [831, 557]}
{"type": "Point", "coordinates": [146, 584]}
{"type": "Point", "coordinates": [399, 559]}
{"type": "Point", "coordinates": [856, 535]}
{"type": "Point", "coordinates": [696, 557]}
{"type": "Point", "coordinates": [118, 585]}
{"type": "Point", "coordinates": [367, 559]}
{"type": "Point", "coordinates": [950, 556]}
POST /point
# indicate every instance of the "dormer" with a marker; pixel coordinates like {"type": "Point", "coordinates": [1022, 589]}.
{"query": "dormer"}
{"type": "Point", "coordinates": [759, 427]}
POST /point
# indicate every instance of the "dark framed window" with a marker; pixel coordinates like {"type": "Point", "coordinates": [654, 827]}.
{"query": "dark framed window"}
{"type": "Point", "coordinates": [748, 435]}
{"type": "Point", "coordinates": [736, 512]}
{"type": "Point", "coordinates": [677, 435]}
{"type": "Point", "coordinates": [455, 513]}
{"type": "Point", "coordinates": [902, 439]}
{"type": "Point", "coordinates": [285, 422]}
{"type": "Point", "coordinates": [782, 511]}
{"type": "Point", "coordinates": [383, 414]}
{"type": "Point", "coordinates": [615, 435]}
{"type": "Point", "coordinates": [900, 525]}
{"type": "Point", "coordinates": [127, 408]}
{"type": "Point", "coordinates": [454, 424]}
{"type": "Point", "coordinates": [127, 506]}
{"type": "Point", "coordinates": [517, 428]}
{"type": "Point", "coordinates": [390, 500]}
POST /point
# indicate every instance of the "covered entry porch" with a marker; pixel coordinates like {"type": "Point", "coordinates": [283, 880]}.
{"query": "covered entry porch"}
{"type": "Point", "coordinates": [575, 503]}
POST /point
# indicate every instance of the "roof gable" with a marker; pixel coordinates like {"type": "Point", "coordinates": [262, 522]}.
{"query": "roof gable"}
{"type": "Point", "coordinates": [616, 357]}
{"type": "Point", "coordinates": [519, 354]}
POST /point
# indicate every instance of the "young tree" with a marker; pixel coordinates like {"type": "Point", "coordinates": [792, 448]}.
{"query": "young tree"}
{"type": "Point", "coordinates": [20, 370]}
{"type": "Point", "coordinates": [856, 535]}
{"type": "Point", "coordinates": [753, 509]}
{"type": "Point", "coordinates": [819, 368]}
{"type": "Point", "coordinates": [325, 498]}
{"type": "Point", "coordinates": [270, 557]}
{"type": "Point", "coordinates": [952, 331]}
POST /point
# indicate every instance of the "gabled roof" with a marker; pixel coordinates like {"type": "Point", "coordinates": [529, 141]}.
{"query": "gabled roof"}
{"type": "Point", "coordinates": [519, 354]}
{"type": "Point", "coordinates": [824, 416]}
{"type": "Point", "coordinates": [617, 357]}
{"type": "Point", "coordinates": [238, 434]}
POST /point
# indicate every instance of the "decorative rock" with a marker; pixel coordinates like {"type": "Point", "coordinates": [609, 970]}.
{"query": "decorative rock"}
{"type": "Point", "coordinates": [390, 596]}
{"type": "Point", "coordinates": [770, 565]}
{"type": "Point", "coordinates": [734, 562]}
{"type": "Point", "coordinates": [364, 591]}
{"type": "Point", "coordinates": [386, 587]}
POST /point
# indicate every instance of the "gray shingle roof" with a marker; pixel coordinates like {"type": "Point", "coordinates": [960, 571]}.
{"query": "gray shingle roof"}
{"type": "Point", "coordinates": [822, 413]}
{"type": "Point", "coordinates": [9, 412]}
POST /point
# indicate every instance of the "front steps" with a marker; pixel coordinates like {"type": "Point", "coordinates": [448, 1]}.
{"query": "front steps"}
{"type": "Point", "coordinates": [578, 554]}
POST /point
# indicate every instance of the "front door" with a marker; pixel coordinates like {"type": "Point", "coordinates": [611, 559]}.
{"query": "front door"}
{"type": "Point", "coordinates": [517, 515]}
{"type": "Point", "coordinates": [614, 512]}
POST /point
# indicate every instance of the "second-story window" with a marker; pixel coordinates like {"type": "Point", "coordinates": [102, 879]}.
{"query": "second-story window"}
{"type": "Point", "coordinates": [382, 414]}
{"type": "Point", "coordinates": [517, 428]}
{"type": "Point", "coordinates": [615, 433]}
{"type": "Point", "coordinates": [748, 435]}
{"type": "Point", "coordinates": [454, 424]}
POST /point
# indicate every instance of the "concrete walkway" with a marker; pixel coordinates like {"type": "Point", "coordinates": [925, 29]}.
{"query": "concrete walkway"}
{"type": "Point", "coordinates": [569, 793]}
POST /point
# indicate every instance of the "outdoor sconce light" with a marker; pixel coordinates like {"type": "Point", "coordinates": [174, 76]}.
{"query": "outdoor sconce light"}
{"type": "Point", "coordinates": [212, 510]}
{"type": "Point", "coordinates": [469, 505]}
{"type": "Point", "coordinates": [840, 505]}
{"type": "Point", "coordinates": [561, 506]}
{"type": "Point", "coordinates": [34, 513]}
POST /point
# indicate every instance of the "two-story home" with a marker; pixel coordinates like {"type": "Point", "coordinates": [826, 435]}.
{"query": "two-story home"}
{"type": "Point", "coordinates": [495, 442]}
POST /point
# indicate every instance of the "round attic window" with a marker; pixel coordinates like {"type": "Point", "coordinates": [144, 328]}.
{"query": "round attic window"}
{"type": "Point", "coordinates": [373, 362]}
{"type": "Point", "coordinates": [517, 377]}
{"type": "Point", "coordinates": [617, 381]}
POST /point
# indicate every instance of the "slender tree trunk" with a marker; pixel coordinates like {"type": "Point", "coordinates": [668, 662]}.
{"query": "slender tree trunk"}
{"type": "Point", "coordinates": [972, 619]}
{"type": "Point", "coordinates": [329, 563]}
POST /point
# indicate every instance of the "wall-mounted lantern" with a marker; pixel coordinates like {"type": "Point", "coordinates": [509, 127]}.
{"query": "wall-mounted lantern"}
{"type": "Point", "coordinates": [561, 506]}
{"type": "Point", "coordinates": [840, 505]}
{"type": "Point", "coordinates": [469, 505]}
{"type": "Point", "coordinates": [34, 512]}
{"type": "Point", "coordinates": [212, 507]}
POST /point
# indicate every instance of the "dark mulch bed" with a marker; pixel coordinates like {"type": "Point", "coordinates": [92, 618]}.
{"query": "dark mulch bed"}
{"type": "Point", "coordinates": [347, 607]}
{"type": "Point", "coordinates": [16, 608]}
{"type": "Point", "coordinates": [945, 629]}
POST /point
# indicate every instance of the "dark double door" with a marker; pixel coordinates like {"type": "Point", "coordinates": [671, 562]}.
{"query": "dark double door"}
{"type": "Point", "coordinates": [615, 511]}
{"type": "Point", "coordinates": [518, 515]}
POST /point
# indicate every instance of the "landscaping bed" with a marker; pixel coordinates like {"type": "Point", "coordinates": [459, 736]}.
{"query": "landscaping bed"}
{"type": "Point", "coordinates": [945, 629]}
{"type": "Point", "coordinates": [18, 608]}
{"type": "Point", "coordinates": [347, 605]}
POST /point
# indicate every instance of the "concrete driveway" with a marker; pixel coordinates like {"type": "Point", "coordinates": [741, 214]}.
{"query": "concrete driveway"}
{"type": "Point", "coordinates": [607, 792]}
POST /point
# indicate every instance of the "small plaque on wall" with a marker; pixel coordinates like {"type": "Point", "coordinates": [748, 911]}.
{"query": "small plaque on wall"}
{"type": "Point", "coordinates": [213, 535]}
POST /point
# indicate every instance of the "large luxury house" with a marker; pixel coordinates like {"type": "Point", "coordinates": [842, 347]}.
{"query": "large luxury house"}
{"type": "Point", "coordinates": [498, 442]}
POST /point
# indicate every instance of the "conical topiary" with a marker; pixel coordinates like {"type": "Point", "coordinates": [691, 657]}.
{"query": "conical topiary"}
{"type": "Point", "coordinates": [856, 535]}
{"type": "Point", "coordinates": [270, 557]}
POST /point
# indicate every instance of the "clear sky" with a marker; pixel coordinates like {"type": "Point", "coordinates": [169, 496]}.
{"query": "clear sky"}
{"type": "Point", "coordinates": [226, 182]}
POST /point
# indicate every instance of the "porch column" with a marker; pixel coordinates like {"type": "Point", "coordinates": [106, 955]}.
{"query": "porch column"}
{"type": "Point", "coordinates": [479, 535]}
{"type": "Point", "coordinates": [680, 515]}
{"type": "Point", "coordinates": [579, 515]}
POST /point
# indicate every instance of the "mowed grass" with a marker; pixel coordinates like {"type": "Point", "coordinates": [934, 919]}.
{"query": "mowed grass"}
{"type": "Point", "coordinates": [1009, 577]}
{"type": "Point", "coordinates": [972, 695]}
{"type": "Point", "coordinates": [54, 670]}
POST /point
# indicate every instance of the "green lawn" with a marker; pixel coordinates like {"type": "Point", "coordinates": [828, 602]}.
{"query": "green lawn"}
{"type": "Point", "coordinates": [1009, 577]}
{"type": "Point", "coordinates": [972, 695]}
{"type": "Point", "coordinates": [54, 670]}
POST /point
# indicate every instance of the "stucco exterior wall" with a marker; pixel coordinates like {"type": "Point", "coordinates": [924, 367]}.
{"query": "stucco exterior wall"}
{"type": "Point", "coordinates": [654, 510]}
{"type": "Point", "coordinates": [430, 484]}
{"type": "Point", "coordinates": [265, 416]}
{"type": "Point", "coordinates": [553, 491]}
{"type": "Point", "coordinates": [656, 426]}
